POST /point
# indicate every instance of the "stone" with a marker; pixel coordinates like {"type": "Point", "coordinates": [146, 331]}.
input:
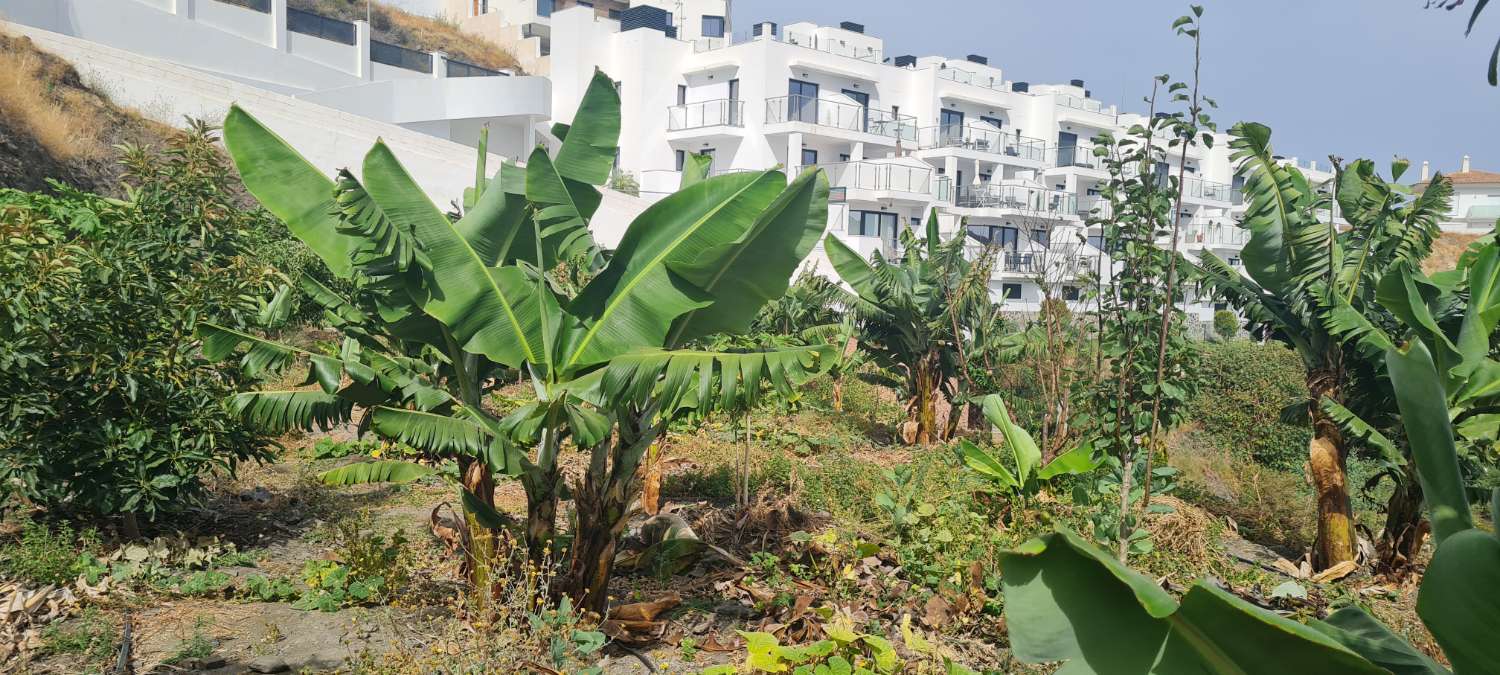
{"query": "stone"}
{"type": "Point", "coordinates": [268, 664]}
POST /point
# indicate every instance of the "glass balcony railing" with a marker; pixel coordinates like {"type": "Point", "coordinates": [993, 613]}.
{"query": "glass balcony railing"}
{"type": "Point", "coordinates": [1019, 198]}
{"type": "Point", "coordinates": [1054, 265]}
{"type": "Point", "coordinates": [1197, 188]}
{"type": "Point", "coordinates": [982, 139]}
{"type": "Point", "coordinates": [1211, 232]}
{"type": "Point", "coordinates": [1075, 156]}
{"type": "Point", "coordinates": [1094, 207]}
{"type": "Point", "coordinates": [697, 115]}
{"type": "Point", "coordinates": [1084, 104]}
{"type": "Point", "coordinates": [833, 46]}
{"type": "Point", "coordinates": [840, 115]}
{"type": "Point", "coordinates": [886, 177]}
{"type": "Point", "coordinates": [962, 76]}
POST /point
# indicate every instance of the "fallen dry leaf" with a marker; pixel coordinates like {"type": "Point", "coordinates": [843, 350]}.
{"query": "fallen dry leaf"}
{"type": "Point", "coordinates": [1336, 572]}
{"type": "Point", "coordinates": [645, 611]}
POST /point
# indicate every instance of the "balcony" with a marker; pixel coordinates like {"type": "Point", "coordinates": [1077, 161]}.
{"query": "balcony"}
{"type": "Point", "coordinates": [1212, 232]}
{"type": "Point", "coordinates": [835, 47]}
{"type": "Point", "coordinates": [1052, 265]}
{"type": "Point", "coordinates": [704, 114]}
{"type": "Point", "coordinates": [1040, 201]}
{"type": "Point", "coordinates": [1076, 157]}
{"type": "Point", "coordinates": [982, 139]}
{"type": "Point", "coordinates": [962, 76]}
{"type": "Point", "coordinates": [1209, 191]}
{"type": "Point", "coordinates": [841, 116]}
{"type": "Point", "coordinates": [1094, 207]}
{"type": "Point", "coordinates": [906, 182]}
{"type": "Point", "coordinates": [1100, 114]}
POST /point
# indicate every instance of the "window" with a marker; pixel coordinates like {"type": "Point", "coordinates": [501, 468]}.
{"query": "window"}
{"type": "Point", "coordinates": [1043, 237]}
{"type": "Point", "coordinates": [1233, 262]}
{"type": "Point", "coordinates": [1070, 293]}
{"type": "Point", "coordinates": [614, 14]}
{"type": "Point", "coordinates": [1010, 291]}
{"type": "Point", "coordinates": [872, 224]}
{"type": "Point", "coordinates": [809, 157]}
{"type": "Point", "coordinates": [999, 123]}
{"type": "Point", "coordinates": [681, 94]}
{"type": "Point", "coordinates": [1096, 241]}
{"type": "Point", "coordinates": [1221, 306]}
{"type": "Point", "coordinates": [681, 159]}
{"type": "Point", "coordinates": [713, 26]}
{"type": "Point", "coordinates": [802, 101]}
{"type": "Point", "coordinates": [544, 7]}
{"type": "Point", "coordinates": [843, 157]}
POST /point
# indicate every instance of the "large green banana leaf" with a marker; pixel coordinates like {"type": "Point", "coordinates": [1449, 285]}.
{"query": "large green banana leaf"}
{"type": "Point", "coordinates": [1066, 600]}
{"type": "Point", "coordinates": [631, 304]}
{"type": "Point", "coordinates": [706, 380]}
{"type": "Point", "coordinates": [289, 187]}
{"type": "Point", "coordinates": [589, 145]}
{"type": "Point", "coordinates": [744, 274]}
{"type": "Point", "coordinates": [490, 311]}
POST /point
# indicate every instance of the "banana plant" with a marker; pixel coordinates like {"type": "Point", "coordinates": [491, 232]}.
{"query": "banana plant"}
{"type": "Point", "coordinates": [1299, 268]}
{"type": "Point", "coordinates": [1026, 474]}
{"type": "Point", "coordinates": [914, 313]}
{"type": "Point", "coordinates": [445, 308]}
{"type": "Point", "coordinates": [1067, 600]}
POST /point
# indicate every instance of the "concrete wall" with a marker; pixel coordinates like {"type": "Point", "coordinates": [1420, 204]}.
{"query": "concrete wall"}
{"type": "Point", "coordinates": [331, 139]}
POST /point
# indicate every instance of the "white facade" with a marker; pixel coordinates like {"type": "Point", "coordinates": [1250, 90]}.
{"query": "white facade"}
{"type": "Point", "coordinates": [334, 63]}
{"type": "Point", "coordinates": [1476, 198]}
{"type": "Point", "coordinates": [1005, 160]}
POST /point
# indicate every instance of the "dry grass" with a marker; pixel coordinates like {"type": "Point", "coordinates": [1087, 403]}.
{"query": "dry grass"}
{"type": "Point", "coordinates": [414, 31]}
{"type": "Point", "coordinates": [1273, 508]}
{"type": "Point", "coordinates": [35, 99]}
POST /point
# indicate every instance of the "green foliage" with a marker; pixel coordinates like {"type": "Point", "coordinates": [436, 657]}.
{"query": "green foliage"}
{"type": "Point", "coordinates": [90, 635]}
{"type": "Point", "coordinates": [48, 555]}
{"type": "Point", "coordinates": [1066, 600]}
{"type": "Point", "coordinates": [919, 317]}
{"type": "Point", "coordinates": [568, 646]}
{"type": "Point", "coordinates": [1026, 473]}
{"type": "Point", "coordinates": [445, 308]}
{"type": "Point", "coordinates": [270, 589]}
{"type": "Point", "coordinates": [331, 586]}
{"type": "Point", "coordinates": [369, 555]}
{"type": "Point", "coordinates": [1226, 324]}
{"type": "Point", "coordinates": [109, 407]}
{"type": "Point", "coordinates": [1243, 389]}
{"type": "Point", "coordinates": [328, 448]}
{"type": "Point", "coordinates": [845, 651]}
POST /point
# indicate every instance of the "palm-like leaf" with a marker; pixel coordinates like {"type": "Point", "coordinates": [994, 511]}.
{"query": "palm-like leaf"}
{"type": "Point", "coordinates": [277, 412]}
{"type": "Point", "coordinates": [385, 471]}
{"type": "Point", "coordinates": [705, 381]}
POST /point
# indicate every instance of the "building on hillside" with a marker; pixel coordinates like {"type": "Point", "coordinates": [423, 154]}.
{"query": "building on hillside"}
{"type": "Point", "coordinates": [265, 44]}
{"type": "Point", "coordinates": [1476, 198]}
{"type": "Point", "coordinates": [1009, 161]}
{"type": "Point", "coordinates": [525, 26]}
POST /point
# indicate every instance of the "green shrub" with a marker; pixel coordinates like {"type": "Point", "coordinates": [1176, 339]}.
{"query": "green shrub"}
{"type": "Point", "coordinates": [1226, 324]}
{"type": "Point", "coordinates": [109, 407]}
{"type": "Point", "coordinates": [1243, 387]}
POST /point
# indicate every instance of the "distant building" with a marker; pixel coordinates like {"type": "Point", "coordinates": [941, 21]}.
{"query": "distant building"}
{"type": "Point", "coordinates": [1476, 198]}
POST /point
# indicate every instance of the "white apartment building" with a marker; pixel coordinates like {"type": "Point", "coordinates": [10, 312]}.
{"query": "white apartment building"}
{"type": "Point", "coordinates": [1006, 160]}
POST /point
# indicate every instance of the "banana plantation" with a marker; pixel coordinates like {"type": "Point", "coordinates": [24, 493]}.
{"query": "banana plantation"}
{"type": "Point", "coordinates": [258, 418]}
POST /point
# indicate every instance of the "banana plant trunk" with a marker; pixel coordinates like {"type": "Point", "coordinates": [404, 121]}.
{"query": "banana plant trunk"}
{"type": "Point", "coordinates": [602, 501]}
{"type": "Point", "coordinates": [477, 479]}
{"type": "Point", "coordinates": [838, 394]}
{"type": "Point", "coordinates": [542, 488]}
{"type": "Point", "coordinates": [924, 406]}
{"type": "Point", "coordinates": [1405, 529]}
{"type": "Point", "coordinates": [1330, 477]}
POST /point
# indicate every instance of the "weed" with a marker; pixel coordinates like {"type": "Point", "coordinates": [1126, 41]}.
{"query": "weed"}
{"type": "Point", "coordinates": [688, 648]}
{"type": "Point", "coordinates": [197, 646]}
{"type": "Point", "coordinates": [49, 556]}
{"type": "Point", "coordinates": [91, 636]}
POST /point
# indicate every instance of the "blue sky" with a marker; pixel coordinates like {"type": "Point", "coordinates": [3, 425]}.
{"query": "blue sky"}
{"type": "Point", "coordinates": [1355, 78]}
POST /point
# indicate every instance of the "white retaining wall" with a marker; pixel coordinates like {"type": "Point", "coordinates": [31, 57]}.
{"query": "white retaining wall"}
{"type": "Point", "coordinates": [329, 138]}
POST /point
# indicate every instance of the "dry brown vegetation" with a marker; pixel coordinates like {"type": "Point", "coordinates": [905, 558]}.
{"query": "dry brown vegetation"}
{"type": "Point", "coordinates": [414, 31]}
{"type": "Point", "coordinates": [52, 125]}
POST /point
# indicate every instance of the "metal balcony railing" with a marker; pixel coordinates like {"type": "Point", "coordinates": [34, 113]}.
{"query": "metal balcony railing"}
{"type": "Point", "coordinates": [700, 114]}
{"type": "Point", "coordinates": [1020, 198]}
{"type": "Point", "coordinates": [886, 177]}
{"type": "Point", "coordinates": [982, 139]}
{"type": "Point", "coordinates": [840, 115]}
{"type": "Point", "coordinates": [319, 26]}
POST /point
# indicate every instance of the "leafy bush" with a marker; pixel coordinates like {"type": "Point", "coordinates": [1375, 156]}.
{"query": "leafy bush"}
{"type": "Point", "coordinates": [1243, 387]}
{"type": "Point", "coordinates": [110, 408]}
{"type": "Point", "coordinates": [1226, 324]}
